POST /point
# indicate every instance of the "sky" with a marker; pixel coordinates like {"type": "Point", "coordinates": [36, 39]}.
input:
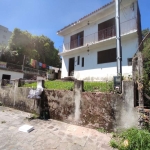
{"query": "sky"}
{"type": "Point", "coordinates": [46, 17]}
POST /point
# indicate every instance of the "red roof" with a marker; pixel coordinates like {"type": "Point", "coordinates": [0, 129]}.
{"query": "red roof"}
{"type": "Point", "coordinates": [87, 16]}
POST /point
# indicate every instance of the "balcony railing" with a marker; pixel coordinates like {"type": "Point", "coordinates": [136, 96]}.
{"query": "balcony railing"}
{"type": "Point", "coordinates": [126, 27]}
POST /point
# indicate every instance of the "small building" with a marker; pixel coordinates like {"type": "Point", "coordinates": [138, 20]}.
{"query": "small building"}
{"type": "Point", "coordinates": [10, 75]}
{"type": "Point", "coordinates": [89, 48]}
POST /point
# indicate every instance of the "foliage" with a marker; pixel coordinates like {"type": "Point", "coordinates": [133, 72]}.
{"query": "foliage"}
{"type": "Point", "coordinates": [88, 86]}
{"type": "Point", "coordinates": [6, 54]}
{"type": "Point", "coordinates": [145, 32]}
{"type": "Point", "coordinates": [102, 130]}
{"type": "Point", "coordinates": [146, 67]}
{"type": "Point", "coordinates": [131, 139]}
{"type": "Point", "coordinates": [40, 48]}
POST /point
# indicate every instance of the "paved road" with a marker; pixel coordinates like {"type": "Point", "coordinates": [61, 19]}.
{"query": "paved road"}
{"type": "Point", "coordinates": [48, 135]}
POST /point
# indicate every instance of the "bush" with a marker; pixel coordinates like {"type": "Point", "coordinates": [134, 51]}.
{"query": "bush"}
{"type": "Point", "coordinates": [132, 139]}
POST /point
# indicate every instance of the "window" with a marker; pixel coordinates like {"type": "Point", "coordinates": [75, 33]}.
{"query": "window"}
{"type": "Point", "coordinates": [78, 60]}
{"type": "Point", "coordinates": [129, 61]}
{"type": "Point", "coordinates": [76, 40]}
{"type": "Point", "coordinates": [106, 29]}
{"type": "Point", "coordinates": [106, 56]}
{"type": "Point", "coordinates": [82, 61]}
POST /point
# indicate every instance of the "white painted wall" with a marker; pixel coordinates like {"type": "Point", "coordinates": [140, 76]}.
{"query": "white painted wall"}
{"type": "Point", "coordinates": [94, 71]}
{"type": "Point", "coordinates": [14, 75]}
{"type": "Point", "coordinates": [126, 18]}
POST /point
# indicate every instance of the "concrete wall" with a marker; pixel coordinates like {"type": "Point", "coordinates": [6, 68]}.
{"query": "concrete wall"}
{"type": "Point", "coordinates": [95, 110]}
{"type": "Point", "coordinates": [16, 97]}
{"type": "Point", "coordinates": [14, 75]}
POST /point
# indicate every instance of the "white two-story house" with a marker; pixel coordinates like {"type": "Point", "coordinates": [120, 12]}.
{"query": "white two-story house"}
{"type": "Point", "coordinates": [89, 48]}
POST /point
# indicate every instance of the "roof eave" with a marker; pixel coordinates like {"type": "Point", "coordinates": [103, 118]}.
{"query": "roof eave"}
{"type": "Point", "coordinates": [60, 32]}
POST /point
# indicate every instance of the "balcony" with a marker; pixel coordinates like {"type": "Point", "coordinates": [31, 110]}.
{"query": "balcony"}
{"type": "Point", "coordinates": [102, 35]}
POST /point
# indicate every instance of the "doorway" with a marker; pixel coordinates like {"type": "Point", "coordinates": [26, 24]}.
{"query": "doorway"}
{"type": "Point", "coordinates": [6, 77]}
{"type": "Point", "coordinates": [71, 67]}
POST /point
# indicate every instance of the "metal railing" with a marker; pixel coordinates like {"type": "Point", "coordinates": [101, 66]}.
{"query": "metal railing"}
{"type": "Point", "coordinates": [126, 27]}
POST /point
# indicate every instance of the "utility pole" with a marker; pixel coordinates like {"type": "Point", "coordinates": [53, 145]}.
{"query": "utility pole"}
{"type": "Point", "coordinates": [118, 79]}
{"type": "Point", "coordinates": [118, 39]}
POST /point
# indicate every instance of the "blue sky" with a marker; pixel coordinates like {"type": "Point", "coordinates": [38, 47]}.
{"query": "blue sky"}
{"type": "Point", "coordinates": [48, 16]}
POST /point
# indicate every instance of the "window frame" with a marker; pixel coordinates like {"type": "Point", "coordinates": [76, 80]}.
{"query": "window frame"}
{"type": "Point", "coordinates": [108, 53]}
{"type": "Point", "coordinates": [82, 62]}
{"type": "Point", "coordinates": [77, 40]}
{"type": "Point", "coordinates": [78, 60]}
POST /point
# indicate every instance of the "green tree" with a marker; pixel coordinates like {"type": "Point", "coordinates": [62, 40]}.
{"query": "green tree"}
{"type": "Point", "coordinates": [145, 32]}
{"type": "Point", "coordinates": [40, 48]}
{"type": "Point", "coordinates": [146, 66]}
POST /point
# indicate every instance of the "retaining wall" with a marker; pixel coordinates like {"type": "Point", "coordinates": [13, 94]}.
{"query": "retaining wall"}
{"type": "Point", "coordinates": [95, 110]}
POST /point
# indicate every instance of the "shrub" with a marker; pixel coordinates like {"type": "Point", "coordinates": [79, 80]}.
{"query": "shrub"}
{"type": "Point", "coordinates": [132, 139]}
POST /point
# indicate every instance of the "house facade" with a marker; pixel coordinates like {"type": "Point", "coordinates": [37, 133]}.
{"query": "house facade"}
{"type": "Point", "coordinates": [89, 48]}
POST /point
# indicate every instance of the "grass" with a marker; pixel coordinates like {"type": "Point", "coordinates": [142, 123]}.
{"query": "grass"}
{"type": "Point", "coordinates": [88, 86]}
{"type": "Point", "coordinates": [33, 85]}
{"type": "Point", "coordinates": [131, 139]}
{"type": "Point", "coordinates": [98, 86]}
{"type": "Point", "coordinates": [102, 130]}
{"type": "Point", "coordinates": [34, 115]}
{"type": "Point", "coordinates": [53, 85]}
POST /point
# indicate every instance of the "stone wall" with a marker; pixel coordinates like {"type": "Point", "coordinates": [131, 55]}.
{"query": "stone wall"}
{"type": "Point", "coordinates": [60, 104]}
{"type": "Point", "coordinates": [95, 110]}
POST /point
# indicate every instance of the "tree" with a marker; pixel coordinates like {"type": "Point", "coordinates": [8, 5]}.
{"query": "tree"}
{"type": "Point", "coordinates": [146, 66]}
{"type": "Point", "coordinates": [145, 32]}
{"type": "Point", "coordinates": [5, 54]}
{"type": "Point", "coordinates": [40, 48]}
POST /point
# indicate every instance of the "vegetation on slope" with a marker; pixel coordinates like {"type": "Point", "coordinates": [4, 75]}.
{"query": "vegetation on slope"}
{"type": "Point", "coordinates": [88, 86]}
{"type": "Point", "coordinates": [131, 139]}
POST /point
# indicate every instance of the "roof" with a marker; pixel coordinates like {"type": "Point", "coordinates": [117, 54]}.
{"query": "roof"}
{"type": "Point", "coordinates": [87, 15]}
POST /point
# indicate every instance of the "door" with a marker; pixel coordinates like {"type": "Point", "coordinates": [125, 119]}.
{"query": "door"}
{"type": "Point", "coordinates": [71, 67]}
{"type": "Point", "coordinates": [6, 77]}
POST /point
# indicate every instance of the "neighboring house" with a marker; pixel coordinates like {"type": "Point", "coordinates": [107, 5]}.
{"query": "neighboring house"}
{"type": "Point", "coordinates": [10, 75]}
{"type": "Point", "coordinates": [89, 49]}
{"type": "Point", "coordinates": [5, 35]}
